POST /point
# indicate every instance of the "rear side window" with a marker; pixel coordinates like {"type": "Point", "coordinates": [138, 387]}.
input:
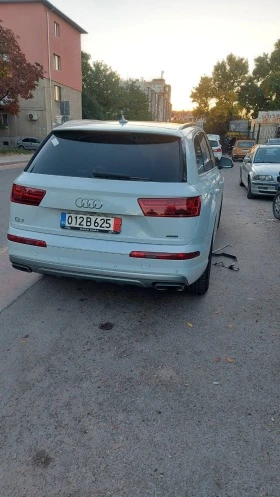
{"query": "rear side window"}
{"type": "Point", "coordinates": [274, 141]}
{"type": "Point", "coordinates": [245, 144]}
{"type": "Point", "coordinates": [204, 155]}
{"type": "Point", "coordinates": [214, 143]}
{"type": "Point", "coordinates": [135, 156]}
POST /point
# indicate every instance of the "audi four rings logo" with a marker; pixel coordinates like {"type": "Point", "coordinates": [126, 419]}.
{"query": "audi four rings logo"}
{"type": "Point", "coordinates": [88, 203]}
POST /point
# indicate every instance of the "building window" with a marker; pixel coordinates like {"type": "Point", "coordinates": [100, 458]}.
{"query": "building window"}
{"type": "Point", "coordinates": [57, 93]}
{"type": "Point", "coordinates": [56, 29]}
{"type": "Point", "coordinates": [57, 62]}
{"type": "Point", "coordinates": [3, 121]}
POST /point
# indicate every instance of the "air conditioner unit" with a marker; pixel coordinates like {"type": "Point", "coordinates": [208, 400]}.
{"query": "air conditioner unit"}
{"type": "Point", "coordinates": [32, 116]}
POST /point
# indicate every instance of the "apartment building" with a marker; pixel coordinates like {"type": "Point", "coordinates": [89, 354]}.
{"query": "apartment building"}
{"type": "Point", "coordinates": [159, 94]}
{"type": "Point", "coordinates": [163, 107]}
{"type": "Point", "coordinates": [49, 37]}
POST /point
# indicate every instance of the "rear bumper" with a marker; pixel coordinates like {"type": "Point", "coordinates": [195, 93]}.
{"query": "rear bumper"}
{"type": "Point", "coordinates": [238, 157]}
{"type": "Point", "coordinates": [109, 261]}
{"type": "Point", "coordinates": [218, 155]}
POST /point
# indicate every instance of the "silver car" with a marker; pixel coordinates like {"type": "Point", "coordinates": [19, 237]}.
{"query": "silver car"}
{"type": "Point", "coordinates": [260, 169]}
{"type": "Point", "coordinates": [28, 143]}
{"type": "Point", "coordinates": [131, 203]}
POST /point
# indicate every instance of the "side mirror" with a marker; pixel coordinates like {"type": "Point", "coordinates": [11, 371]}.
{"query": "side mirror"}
{"type": "Point", "coordinates": [225, 163]}
{"type": "Point", "coordinates": [247, 160]}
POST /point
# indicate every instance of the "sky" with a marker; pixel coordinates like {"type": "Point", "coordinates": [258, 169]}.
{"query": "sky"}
{"type": "Point", "coordinates": [184, 38]}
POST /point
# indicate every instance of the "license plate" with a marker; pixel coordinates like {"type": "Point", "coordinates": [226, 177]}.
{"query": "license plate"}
{"type": "Point", "coordinates": [86, 222]}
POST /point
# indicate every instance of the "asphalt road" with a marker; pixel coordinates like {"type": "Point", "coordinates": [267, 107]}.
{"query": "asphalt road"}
{"type": "Point", "coordinates": [6, 178]}
{"type": "Point", "coordinates": [123, 392]}
{"type": "Point", "coordinates": [13, 283]}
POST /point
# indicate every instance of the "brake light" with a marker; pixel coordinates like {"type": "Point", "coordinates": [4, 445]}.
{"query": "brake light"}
{"type": "Point", "coordinates": [164, 255]}
{"type": "Point", "coordinates": [26, 241]}
{"type": "Point", "coordinates": [170, 207]}
{"type": "Point", "coordinates": [26, 195]}
{"type": "Point", "coordinates": [218, 149]}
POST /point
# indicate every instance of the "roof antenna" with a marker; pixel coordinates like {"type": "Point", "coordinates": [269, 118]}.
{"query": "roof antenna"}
{"type": "Point", "coordinates": [122, 119]}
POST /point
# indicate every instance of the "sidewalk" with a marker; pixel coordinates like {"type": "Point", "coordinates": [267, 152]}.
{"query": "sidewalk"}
{"type": "Point", "coordinates": [6, 160]}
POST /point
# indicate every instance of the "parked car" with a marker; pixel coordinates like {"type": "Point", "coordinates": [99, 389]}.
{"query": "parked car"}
{"type": "Point", "coordinates": [215, 137]}
{"type": "Point", "coordinates": [273, 141]}
{"type": "Point", "coordinates": [241, 149]}
{"type": "Point", "coordinates": [214, 141]}
{"type": "Point", "coordinates": [260, 169]}
{"type": "Point", "coordinates": [131, 203]}
{"type": "Point", "coordinates": [28, 143]}
{"type": "Point", "coordinates": [276, 201]}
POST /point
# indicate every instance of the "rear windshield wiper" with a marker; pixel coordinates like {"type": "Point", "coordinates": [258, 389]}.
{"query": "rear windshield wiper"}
{"type": "Point", "coordinates": [119, 176]}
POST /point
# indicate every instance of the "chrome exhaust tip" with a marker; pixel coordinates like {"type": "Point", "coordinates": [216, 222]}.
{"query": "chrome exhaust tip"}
{"type": "Point", "coordinates": [163, 287]}
{"type": "Point", "coordinates": [26, 269]}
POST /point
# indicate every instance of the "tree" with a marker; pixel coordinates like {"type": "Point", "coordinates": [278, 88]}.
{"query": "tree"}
{"type": "Point", "coordinates": [101, 90]}
{"type": "Point", "coordinates": [103, 96]}
{"type": "Point", "coordinates": [202, 94]}
{"type": "Point", "coordinates": [262, 89]}
{"type": "Point", "coordinates": [18, 78]}
{"type": "Point", "coordinates": [216, 96]}
{"type": "Point", "coordinates": [228, 77]}
{"type": "Point", "coordinates": [252, 98]}
{"type": "Point", "coordinates": [267, 76]}
{"type": "Point", "coordinates": [135, 104]}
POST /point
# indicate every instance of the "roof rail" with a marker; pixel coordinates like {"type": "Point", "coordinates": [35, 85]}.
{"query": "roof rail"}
{"type": "Point", "coordinates": [186, 125]}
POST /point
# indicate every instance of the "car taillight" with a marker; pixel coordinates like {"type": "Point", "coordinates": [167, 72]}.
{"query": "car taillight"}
{"type": "Point", "coordinates": [26, 241]}
{"type": "Point", "coordinates": [26, 195]}
{"type": "Point", "coordinates": [218, 149]}
{"type": "Point", "coordinates": [170, 207]}
{"type": "Point", "coordinates": [182, 256]}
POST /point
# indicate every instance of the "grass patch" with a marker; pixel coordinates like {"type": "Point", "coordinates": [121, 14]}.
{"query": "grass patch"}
{"type": "Point", "coordinates": [14, 151]}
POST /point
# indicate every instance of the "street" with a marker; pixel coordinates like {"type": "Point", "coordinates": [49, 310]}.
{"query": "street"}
{"type": "Point", "coordinates": [111, 391]}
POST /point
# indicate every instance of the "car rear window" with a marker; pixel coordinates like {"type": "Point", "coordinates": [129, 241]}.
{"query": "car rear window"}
{"type": "Point", "coordinates": [214, 143]}
{"type": "Point", "coordinates": [147, 156]}
{"type": "Point", "coordinates": [247, 144]}
{"type": "Point", "coordinates": [273, 141]}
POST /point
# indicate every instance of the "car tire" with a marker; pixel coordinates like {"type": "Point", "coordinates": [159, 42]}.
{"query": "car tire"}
{"type": "Point", "coordinates": [249, 191]}
{"type": "Point", "coordinates": [276, 206]}
{"type": "Point", "coordinates": [200, 286]}
{"type": "Point", "coordinates": [21, 147]}
{"type": "Point", "coordinates": [240, 180]}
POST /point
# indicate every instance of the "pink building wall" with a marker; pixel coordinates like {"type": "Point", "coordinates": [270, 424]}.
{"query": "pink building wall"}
{"type": "Point", "coordinates": [30, 22]}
